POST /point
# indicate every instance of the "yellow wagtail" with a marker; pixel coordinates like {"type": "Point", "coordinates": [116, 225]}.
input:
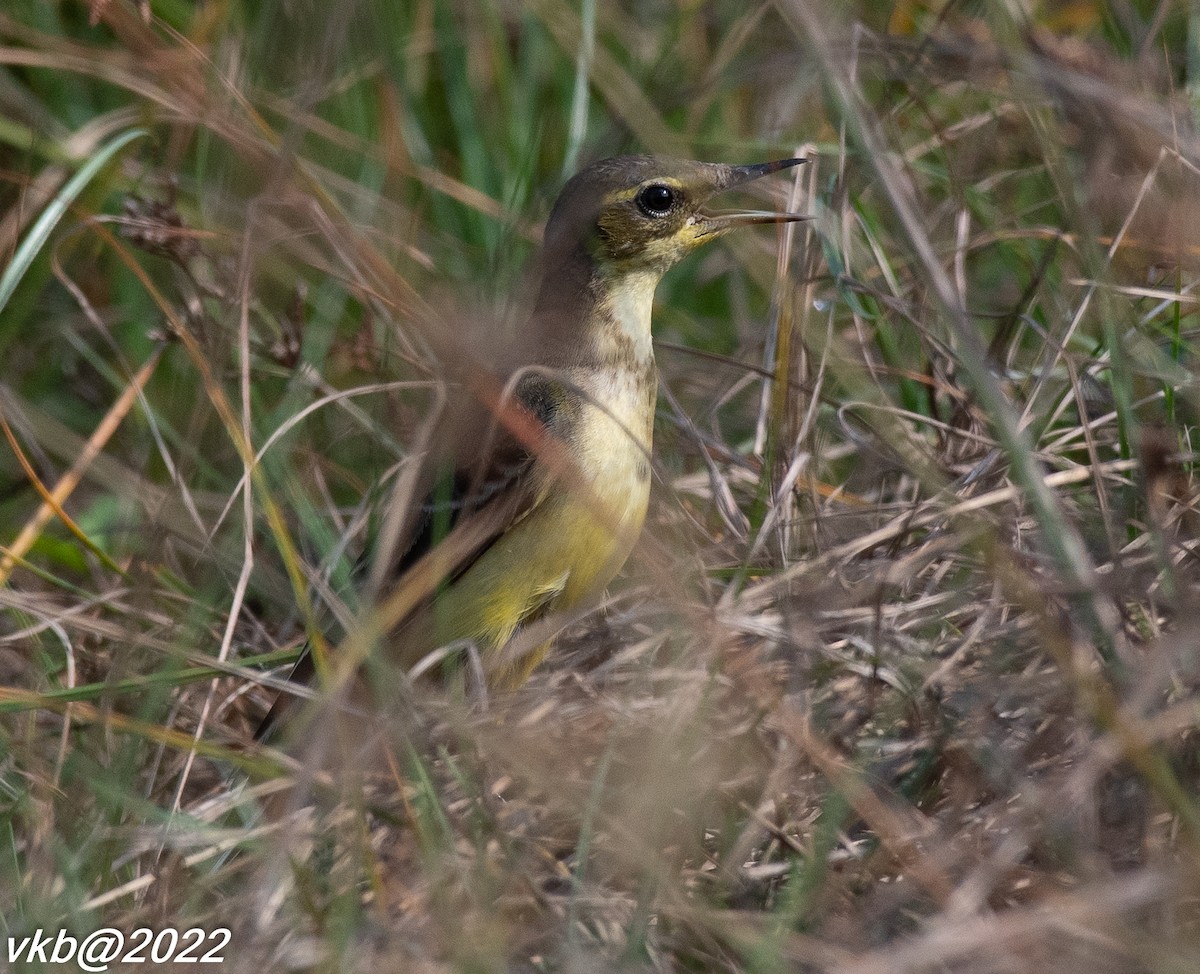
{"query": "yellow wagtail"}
{"type": "Point", "coordinates": [535, 511]}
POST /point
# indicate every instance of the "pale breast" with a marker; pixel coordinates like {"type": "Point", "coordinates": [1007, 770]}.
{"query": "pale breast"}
{"type": "Point", "coordinates": [613, 436]}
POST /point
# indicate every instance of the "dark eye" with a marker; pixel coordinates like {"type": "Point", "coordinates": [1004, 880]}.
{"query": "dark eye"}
{"type": "Point", "coordinates": [656, 200]}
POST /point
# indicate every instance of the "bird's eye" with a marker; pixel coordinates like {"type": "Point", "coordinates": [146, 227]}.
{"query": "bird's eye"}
{"type": "Point", "coordinates": [656, 200]}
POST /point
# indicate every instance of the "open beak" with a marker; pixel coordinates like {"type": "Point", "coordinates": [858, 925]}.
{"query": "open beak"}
{"type": "Point", "coordinates": [719, 221]}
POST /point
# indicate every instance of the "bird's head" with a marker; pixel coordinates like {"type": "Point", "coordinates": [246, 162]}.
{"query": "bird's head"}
{"type": "Point", "coordinates": [635, 213]}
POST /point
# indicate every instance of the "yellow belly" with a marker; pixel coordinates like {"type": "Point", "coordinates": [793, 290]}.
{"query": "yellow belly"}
{"type": "Point", "coordinates": [568, 547]}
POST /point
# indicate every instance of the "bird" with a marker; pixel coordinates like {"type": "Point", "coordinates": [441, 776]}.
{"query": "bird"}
{"type": "Point", "coordinates": [536, 492]}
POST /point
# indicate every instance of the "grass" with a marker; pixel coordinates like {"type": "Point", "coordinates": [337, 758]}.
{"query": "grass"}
{"type": "Point", "coordinates": [902, 676]}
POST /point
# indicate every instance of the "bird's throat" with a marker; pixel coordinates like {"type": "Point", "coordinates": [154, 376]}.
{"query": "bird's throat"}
{"type": "Point", "coordinates": [619, 331]}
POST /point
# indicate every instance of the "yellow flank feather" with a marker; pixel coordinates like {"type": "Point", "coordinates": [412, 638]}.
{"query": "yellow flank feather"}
{"type": "Point", "coordinates": [569, 546]}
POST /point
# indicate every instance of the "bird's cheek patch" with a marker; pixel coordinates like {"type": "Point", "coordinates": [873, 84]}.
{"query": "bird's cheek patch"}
{"type": "Point", "coordinates": [668, 250]}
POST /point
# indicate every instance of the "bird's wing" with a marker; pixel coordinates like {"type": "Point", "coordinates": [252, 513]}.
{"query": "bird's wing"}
{"type": "Point", "coordinates": [474, 500]}
{"type": "Point", "coordinates": [490, 477]}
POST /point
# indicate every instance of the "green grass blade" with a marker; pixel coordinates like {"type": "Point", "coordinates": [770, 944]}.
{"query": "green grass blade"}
{"type": "Point", "coordinates": [40, 232]}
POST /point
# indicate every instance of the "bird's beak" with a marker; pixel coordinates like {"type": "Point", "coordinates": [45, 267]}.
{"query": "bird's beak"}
{"type": "Point", "coordinates": [727, 177]}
